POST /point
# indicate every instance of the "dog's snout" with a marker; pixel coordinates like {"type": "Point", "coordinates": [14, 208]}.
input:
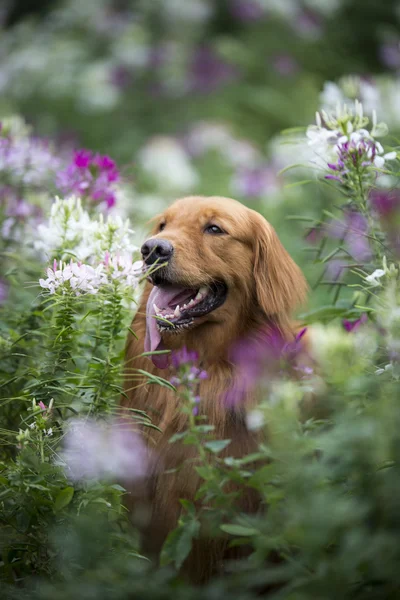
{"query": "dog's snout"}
{"type": "Point", "coordinates": [156, 250]}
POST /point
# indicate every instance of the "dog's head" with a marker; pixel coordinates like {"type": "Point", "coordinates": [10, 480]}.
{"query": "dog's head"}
{"type": "Point", "coordinates": [214, 262]}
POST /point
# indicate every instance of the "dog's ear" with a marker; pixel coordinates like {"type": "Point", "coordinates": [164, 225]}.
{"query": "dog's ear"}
{"type": "Point", "coordinates": [280, 284]}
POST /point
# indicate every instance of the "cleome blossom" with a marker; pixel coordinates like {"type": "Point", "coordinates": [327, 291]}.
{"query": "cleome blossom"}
{"type": "Point", "coordinates": [71, 231]}
{"type": "Point", "coordinates": [74, 278]}
{"type": "Point", "coordinates": [341, 141]}
{"type": "Point", "coordinates": [90, 176]}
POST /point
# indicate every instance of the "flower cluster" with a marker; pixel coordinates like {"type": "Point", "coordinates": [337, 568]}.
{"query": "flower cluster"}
{"type": "Point", "coordinates": [188, 374]}
{"type": "Point", "coordinates": [39, 426]}
{"type": "Point", "coordinates": [342, 142]}
{"type": "Point", "coordinates": [358, 151]}
{"type": "Point", "coordinates": [25, 161]}
{"type": "Point", "coordinates": [73, 278]}
{"type": "Point", "coordinates": [72, 232]}
{"type": "Point", "coordinates": [123, 269]}
{"type": "Point", "coordinates": [89, 176]}
{"type": "Point", "coordinates": [94, 450]}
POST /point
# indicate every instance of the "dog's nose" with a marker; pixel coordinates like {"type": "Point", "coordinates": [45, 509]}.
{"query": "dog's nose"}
{"type": "Point", "coordinates": [156, 249]}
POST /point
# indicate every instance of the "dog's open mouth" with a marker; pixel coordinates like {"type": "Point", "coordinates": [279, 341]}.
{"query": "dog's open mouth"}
{"type": "Point", "coordinates": [172, 308]}
{"type": "Point", "coordinates": [175, 308]}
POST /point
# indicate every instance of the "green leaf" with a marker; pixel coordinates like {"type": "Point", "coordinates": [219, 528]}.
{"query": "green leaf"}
{"type": "Point", "coordinates": [188, 506]}
{"type": "Point", "coordinates": [239, 530]}
{"type": "Point", "coordinates": [63, 498]}
{"type": "Point", "coordinates": [328, 313]}
{"type": "Point", "coordinates": [179, 543]}
{"type": "Point", "coordinates": [216, 446]}
{"type": "Point", "coordinates": [204, 471]}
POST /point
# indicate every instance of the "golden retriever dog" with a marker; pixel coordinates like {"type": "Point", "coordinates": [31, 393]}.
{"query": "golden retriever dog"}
{"type": "Point", "coordinates": [223, 276]}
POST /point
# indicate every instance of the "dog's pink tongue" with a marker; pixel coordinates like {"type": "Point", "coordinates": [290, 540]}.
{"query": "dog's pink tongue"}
{"type": "Point", "coordinates": [161, 297]}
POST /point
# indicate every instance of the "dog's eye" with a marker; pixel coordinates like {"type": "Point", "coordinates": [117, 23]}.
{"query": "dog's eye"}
{"type": "Point", "coordinates": [213, 229]}
{"type": "Point", "coordinates": [162, 226]}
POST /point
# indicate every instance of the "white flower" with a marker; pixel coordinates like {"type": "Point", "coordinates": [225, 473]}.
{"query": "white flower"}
{"type": "Point", "coordinates": [71, 232]}
{"type": "Point", "coordinates": [323, 142]}
{"type": "Point", "coordinates": [255, 420]}
{"type": "Point", "coordinates": [347, 90]}
{"type": "Point", "coordinates": [122, 269]}
{"type": "Point", "coordinates": [164, 159]}
{"type": "Point", "coordinates": [76, 278]}
{"type": "Point", "coordinates": [113, 236]}
{"type": "Point", "coordinates": [207, 135]}
{"type": "Point", "coordinates": [373, 278]}
{"type": "Point", "coordinates": [67, 225]}
{"type": "Point", "coordinates": [379, 161]}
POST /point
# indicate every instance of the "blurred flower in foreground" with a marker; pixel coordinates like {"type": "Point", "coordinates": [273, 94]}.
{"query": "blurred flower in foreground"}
{"type": "Point", "coordinates": [94, 450]}
{"type": "Point", "coordinates": [354, 325]}
{"type": "Point", "coordinates": [265, 354]}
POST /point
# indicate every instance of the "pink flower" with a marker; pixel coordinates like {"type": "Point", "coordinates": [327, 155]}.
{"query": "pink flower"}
{"type": "Point", "coordinates": [100, 450]}
{"type": "Point", "coordinates": [91, 177]}
{"type": "Point", "coordinates": [354, 325]}
{"type": "Point", "coordinates": [82, 158]}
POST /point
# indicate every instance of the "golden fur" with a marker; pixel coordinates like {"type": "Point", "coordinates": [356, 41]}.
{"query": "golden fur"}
{"type": "Point", "coordinates": [264, 287]}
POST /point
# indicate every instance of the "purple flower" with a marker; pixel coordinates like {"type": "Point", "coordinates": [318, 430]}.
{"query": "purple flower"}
{"type": "Point", "coordinates": [82, 159]}
{"type": "Point", "coordinates": [308, 24]}
{"type": "Point", "coordinates": [265, 353]}
{"type": "Point", "coordinates": [285, 65]}
{"type": "Point", "coordinates": [390, 54]}
{"type": "Point", "coordinates": [94, 450]}
{"type": "Point", "coordinates": [27, 161]}
{"type": "Point", "coordinates": [385, 202]}
{"type": "Point", "coordinates": [91, 177]}
{"type": "Point", "coordinates": [121, 77]}
{"type": "Point", "coordinates": [4, 287]}
{"type": "Point", "coordinates": [256, 182]}
{"type": "Point", "coordinates": [208, 71]}
{"type": "Point", "coordinates": [314, 235]}
{"type": "Point", "coordinates": [335, 269]}
{"type": "Point", "coordinates": [354, 325]}
{"type": "Point", "coordinates": [246, 11]}
{"type": "Point", "coordinates": [188, 372]}
{"type": "Point", "coordinates": [353, 231]}
{"type": "Point", "coordinates": [184, 357]}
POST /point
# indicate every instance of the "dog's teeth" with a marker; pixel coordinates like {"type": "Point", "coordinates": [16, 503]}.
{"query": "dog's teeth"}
{"type": "Point", "coordinates": [177, 312]}
{"type": "Point", "coordinates": [156, 309]}
{"type": "Point", "coordinates": [191, 302]}
{"type": "Point", "coordinates": [203, 290]}
{"type": "Point", "coordinates": [185, 306]}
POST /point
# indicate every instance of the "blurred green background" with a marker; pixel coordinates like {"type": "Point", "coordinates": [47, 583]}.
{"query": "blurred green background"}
{"type": "Point", "coordinates": [190, 96]}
